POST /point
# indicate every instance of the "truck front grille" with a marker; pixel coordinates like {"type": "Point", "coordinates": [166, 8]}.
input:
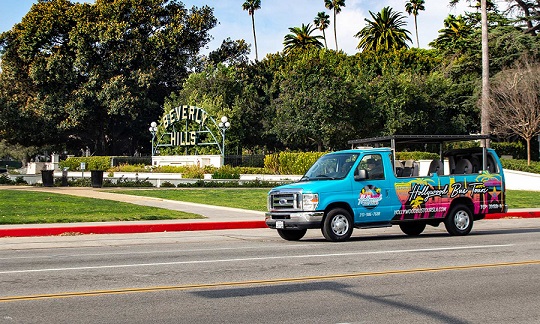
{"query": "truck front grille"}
{"type": "Point", "coordinates": [285, 201]}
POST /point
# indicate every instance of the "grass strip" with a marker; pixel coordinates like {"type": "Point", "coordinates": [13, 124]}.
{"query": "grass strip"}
{"type": "Point", "coordinates": [248, 198]}
{"type": "Point", "coordinates": [30, 207]}
{"type": "Point", "coordinates": [255, 199]}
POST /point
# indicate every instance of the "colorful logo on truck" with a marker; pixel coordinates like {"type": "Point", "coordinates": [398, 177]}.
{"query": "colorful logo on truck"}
{"type": "Point", "coordinates": [423, 198]}
{"type": "Point", "coordinates": [370, 197]}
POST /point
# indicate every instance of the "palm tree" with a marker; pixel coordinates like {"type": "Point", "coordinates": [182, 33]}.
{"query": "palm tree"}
{"type": "Point", "coordinates": [336, 6]}
{"type": "Point", "coordinates": [384, 32]}
{"type": "Point", "coordinates": [414, 7]}
{"type": "Point", "coordinates": [322, 22]}
{"type": "Point", "coordinates": [301, 37]}
{"type": "Point", "coordinates": [455, 29]}
{"type": "Point", "coordinates": [251, 6]}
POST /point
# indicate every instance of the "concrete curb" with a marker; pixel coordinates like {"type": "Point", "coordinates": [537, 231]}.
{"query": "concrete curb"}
{"type": "Point", "coordinates": [127, 228]}
{"type": "Point", "coordinates": [74, 229]}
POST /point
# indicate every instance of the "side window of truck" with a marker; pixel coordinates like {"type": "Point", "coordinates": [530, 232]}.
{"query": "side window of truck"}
{"type": "Point", "coordinates": [373, 165]}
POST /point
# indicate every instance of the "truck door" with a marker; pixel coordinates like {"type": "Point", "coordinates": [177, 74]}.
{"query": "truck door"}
{"type": "Point", "coordinates": [376, 197]}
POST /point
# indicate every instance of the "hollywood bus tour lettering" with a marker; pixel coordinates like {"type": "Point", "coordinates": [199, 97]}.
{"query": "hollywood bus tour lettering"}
{"type": "Point", "coordinates": [426, 192]}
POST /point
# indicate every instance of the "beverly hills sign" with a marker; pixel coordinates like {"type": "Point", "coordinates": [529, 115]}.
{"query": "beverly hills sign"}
{"type": "Point", "coordinates": [188, 126]}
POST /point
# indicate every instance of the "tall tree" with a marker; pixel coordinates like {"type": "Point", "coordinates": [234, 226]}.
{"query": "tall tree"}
{"type": "Point", "coordinates": [527, 12]}
{"type": "Point", "coordinates": [414, 7]}
{"type": "Point", "coordinates": [335, 5]}
{"type": "Point", "coordinates": [322, 22]}
{"type": "Point", "coordinates": [301, 38]}
{"type": "Point", "coordinates": [454, 35]}
{"type": "Point", "coordinates": [385, 32]}
{"type": "Point", "coordinates": [96, 74]}
{"type": "Point", "coordinates": [515, 99]}
{"type": "Point", "coordinates": [251, 6]}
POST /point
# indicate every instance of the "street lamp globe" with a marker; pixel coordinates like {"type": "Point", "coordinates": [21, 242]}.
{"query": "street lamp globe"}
{"type": "Point", "coordinates": [223, 126]}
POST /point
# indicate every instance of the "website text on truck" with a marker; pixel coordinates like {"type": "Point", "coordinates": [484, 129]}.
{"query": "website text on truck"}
{"type": "Point", "coordinates": [367, 187]}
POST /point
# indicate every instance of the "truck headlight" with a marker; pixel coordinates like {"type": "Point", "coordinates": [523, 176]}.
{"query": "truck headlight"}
{"type": "Point", "coordinates": [310, 201]}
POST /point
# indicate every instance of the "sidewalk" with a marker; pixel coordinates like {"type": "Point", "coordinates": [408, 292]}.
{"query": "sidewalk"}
{"type": "Point", "coordinates": [217, 218]}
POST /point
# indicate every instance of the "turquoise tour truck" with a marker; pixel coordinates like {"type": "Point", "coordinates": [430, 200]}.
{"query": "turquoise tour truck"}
{"type": "Point", "coordinates": [366, 187]}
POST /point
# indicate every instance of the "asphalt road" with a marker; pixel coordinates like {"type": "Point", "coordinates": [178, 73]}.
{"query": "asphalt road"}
{"type": "Point", "coordinates": [253, 276]}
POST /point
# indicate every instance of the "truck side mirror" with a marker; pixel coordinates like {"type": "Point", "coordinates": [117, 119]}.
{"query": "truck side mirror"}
{"type": "Point", "coordinates": [360, 175]}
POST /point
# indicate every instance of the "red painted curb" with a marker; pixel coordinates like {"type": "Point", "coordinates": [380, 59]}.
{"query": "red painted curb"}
{"type": "Point", "coordinates": [199, 226]}
{"type": "Point", "coordinates": [129, 228]}
{"type": "Point", "coordinates": [523, 214]}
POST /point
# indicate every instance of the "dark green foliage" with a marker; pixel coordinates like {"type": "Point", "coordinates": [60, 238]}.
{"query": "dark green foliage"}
{"type": "Point", "coordinates": [226, 172]}
{"type": "Point", "coordinates": [521, 165]}
{"type": "Point", "coordinates": [124, 182]}
{"type": "Point", "coordinates": [95, 74]}
{"type": "Point", "coordinates": [232, 184]}
{"type": "Point", "coordinates": [515, 149]}
{"type": "Point", "coordinates": [167, 184]}
{"type": "Point", "coordinates": [102, 163]}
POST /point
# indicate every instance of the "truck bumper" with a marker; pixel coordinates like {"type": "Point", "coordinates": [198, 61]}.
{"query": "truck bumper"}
{"type": "Point", "coordinates": [294, 220]}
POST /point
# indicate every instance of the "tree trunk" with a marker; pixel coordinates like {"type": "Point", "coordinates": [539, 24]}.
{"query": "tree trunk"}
{"type": "Point", "coordinates": [416, 29]}
{"type": "Point", "coordinates": [335, 32]}
{"type": "Point", "coordinates": [528, 139]}
{"type": "Point", "coordinates": [254, 36]}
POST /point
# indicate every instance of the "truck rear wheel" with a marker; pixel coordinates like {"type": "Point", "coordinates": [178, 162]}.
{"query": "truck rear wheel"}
{"type": "Point", "coordinates": [459, 220]}
{"type": "Point", "coordinates": [338, 225]}
{"type": "Point", "coordinates": [412, 229]}
{"type": "Point", "coordinates": [291, 235]}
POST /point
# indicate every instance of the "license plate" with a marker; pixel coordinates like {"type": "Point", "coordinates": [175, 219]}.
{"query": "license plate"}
{"type": "Point", "coordinates": [279, 224]}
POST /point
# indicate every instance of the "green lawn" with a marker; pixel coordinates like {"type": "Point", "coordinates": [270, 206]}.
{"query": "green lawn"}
{"type": "Point", "coordinates": [249, 198]}
{"type": "Point", "coordinates": [522, 199]}
{"type": "Point", "coordinates": [28, 207]}
{"type": "Point", "coordinates": [255, 199]}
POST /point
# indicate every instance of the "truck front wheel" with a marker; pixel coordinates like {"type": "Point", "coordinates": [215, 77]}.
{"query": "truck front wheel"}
{"type": "Point", "coordinates": [291, 235]}
{"type": "Point", "coordinates": [459, 220]}
{"type": "Point", "coordinates": [338, 225]}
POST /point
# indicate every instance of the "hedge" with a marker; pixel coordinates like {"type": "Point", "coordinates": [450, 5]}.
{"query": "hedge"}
{"type": "Point", "coordinates": [102, 163]}
{"type": "Point", "coordinates": [291, 163]}
{"type": "Point", "coordinates": [521, 165]}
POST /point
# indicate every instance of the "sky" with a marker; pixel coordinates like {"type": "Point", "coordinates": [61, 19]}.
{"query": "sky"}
{"type": "Point", "coordinates": [273, 20]}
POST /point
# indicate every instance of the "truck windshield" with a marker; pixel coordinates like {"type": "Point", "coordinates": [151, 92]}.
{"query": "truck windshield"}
{"type": "Point", "coordinates": [331, 166]}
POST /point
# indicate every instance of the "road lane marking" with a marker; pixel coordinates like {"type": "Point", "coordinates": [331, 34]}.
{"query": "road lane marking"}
{"type": "Point", "coordinates": [154, 252]}
{"type": "Point", "coordinates": [263, 282]}
{"type": "Point", "coordinates": [117, 266]}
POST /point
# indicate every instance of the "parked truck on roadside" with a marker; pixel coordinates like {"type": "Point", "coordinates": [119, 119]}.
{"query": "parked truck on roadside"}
{"type": "Point", "coordinates": [368, 187]}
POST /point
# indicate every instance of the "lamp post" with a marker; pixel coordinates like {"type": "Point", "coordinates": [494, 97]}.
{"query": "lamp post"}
{"type": "Point", "coordinates": [153, 131]}
{"type": "Point", "coordinates": [223, 126]}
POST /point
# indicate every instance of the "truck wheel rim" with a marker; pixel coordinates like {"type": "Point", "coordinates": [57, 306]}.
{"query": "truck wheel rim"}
{"type": "Point", "coordinates": [340, 225]}
{"type": "Point", "coordinates": [461, 219]}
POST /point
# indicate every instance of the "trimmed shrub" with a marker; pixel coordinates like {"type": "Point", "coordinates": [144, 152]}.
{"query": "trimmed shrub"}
{"type": "Point", "coordinates": [416, 155]}
{"type": "Point", "coordinates": [521, 165]}
{"type": "Point", "coordinates": [167, 184]}
{"type": "Point", "coordinates": [291, 163]}
{"type": "Point", "coordinates": [226, 172]}
{"type": "Point", "coordinates": [193, 172]}
{"type": "Point", "coordinates": [516, 149]}
{"type": "Point", "coordinates": [102, 163]}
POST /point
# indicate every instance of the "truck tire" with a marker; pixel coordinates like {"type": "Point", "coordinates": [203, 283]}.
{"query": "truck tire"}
{"type": "Point", "coordinates": [291, 235]}
{"type": "Point", "coordinates": [412, 229]}
{"type": "Point", "coordinates": [338, 225]}
{"type": "Point", "coordinates": [459, 220]}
